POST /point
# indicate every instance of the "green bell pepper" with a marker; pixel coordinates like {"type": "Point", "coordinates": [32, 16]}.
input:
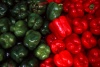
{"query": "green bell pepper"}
{"type": "Point", "coordinates": [42, 51]}
{"type": "Point", "coordinates": [38, 8]}
{"type": "Point", "coordinates": [18, 53]}
{"type": "Point", "coordinates": [19, 28]}
{"type": "Point", "coordinates": [3, 10]}
{"type": "Point", "coordinates": [53, 10]}
{"type": "Point", "coordinates": [4, 25]}
{"type": "Point", "coordinates": [35, 21]}
{"type": "Point", "coordinates": [9, 63]}
{"type": "Point", "coordinates": [7, 40]}
{"type": "Point", "coordinates": [2, 54]}
{"type": "Point", "coordinates": [35, 1]}
{"type": "Point", "coordinates": [44, 29]}
{"type": "Point", "coordinates": [19, 11]}
{"type": "Point", "coordinates": [32, 62]}
{"type": "Point", "coordinates": [32, 39]}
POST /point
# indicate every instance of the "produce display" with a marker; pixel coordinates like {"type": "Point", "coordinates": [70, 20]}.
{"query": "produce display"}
{"type": "Point", "coordinates": [49, 33]}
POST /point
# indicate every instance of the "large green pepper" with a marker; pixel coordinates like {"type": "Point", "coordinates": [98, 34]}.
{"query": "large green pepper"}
{"type": "Point", "coordinates": [18, 53]}
{"type": "Point", "coordinates": [19, 28]}
{"type": "Point", "coordinates": [44, 29]}
{"type": "Point", "coordinates": [38, 8]}
{"type": "Point", "coordinates": [54, 10]}
{"type": "Point", "coordinates": [2, 54]}
{"type": "Point", "coordinates": [3, 10]}
{"type": "Point", "coordinates": [9, 63]}
{"type": "Point", "coordinates": [35, 21]}
{"type": "Point", "coordinates": [7, 40]}
{"type": "Point", "coordinates": [32, 39]}
{"type": "Point", "coordinates": [42, 51]}
{"type": "Point", "coordinates": [4, 25]}
{"type": "Point", "coordinates": [19, 11]}
{"type": "Point", "coordinates": [32, 62]}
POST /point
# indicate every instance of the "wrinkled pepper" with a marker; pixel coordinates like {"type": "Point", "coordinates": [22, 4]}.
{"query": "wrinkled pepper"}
{"type": "Point", "coordinates": [35, 21]}
{"type": "Point", "coordinates": [42, 51]}
{"type": "Point", "coordinates": [95, 26]}
{"type": "Point", "coordinates": [32, 39]}
{"type": "Point", "coordinates": [90, 6]}
{"type": "Point", "coordinates": [7, 40]}
{"type": "Point", "coordinates": [60, 27]}
{"type": "Point", "coordinates": [63, 59]}
{"type": "Point", "coordinates": [18, 52]}
{"type": "Point", "coordinates": [53, 10]}
{"type": "Point", "coordinates": [88, 40]}
{"type": "Point", "coordinates": [19, 28]}
{"type": "Point", "coordinates": [73, 43]}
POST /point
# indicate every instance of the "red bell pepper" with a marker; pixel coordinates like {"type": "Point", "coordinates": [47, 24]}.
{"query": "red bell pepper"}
{"type": "Point", "coordinates": [57, 46]}
{"type": "Point", "coordinates": [97, 12]}
{"type": "Point", "coordinates": [89, 17]}
{"type": "Point", "coordinates": [63, 59]}
{"type": "Point", "coordinates": [95, 26]}
{"type": "Point", "coordinates": [60, 27]}
{"type": "Point", "coordinates": [56, 1]}
{"type": "Point", "coordinates": [88, 40]}
{"type": "Point", "coordinates": [50, 38]}
{"type": "Point", "coordinates": [80, 60]}
{"type": "Point", "coordinates": [99, 42]}
{"type": "Point", "coordinates": [91, 6]}
{"type": "Point", "coordinates": [73, 43]}
{"type": "Point", "coordinates": [94, 57]}
{"type": "Point", "coordinates": [79, 25]}
{"type": "Point", "coordinates": [48, 62]}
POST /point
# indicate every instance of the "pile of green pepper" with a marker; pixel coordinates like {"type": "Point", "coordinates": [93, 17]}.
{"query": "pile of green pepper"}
{"type": "Point", "coordinates": [23, 27]}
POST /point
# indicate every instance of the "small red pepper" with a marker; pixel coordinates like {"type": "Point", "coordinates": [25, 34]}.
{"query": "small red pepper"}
{"type": "Point", "coordinates": [88, 40]}
{"type": "Point", "coordinates": [73, 43]}
{"type": "Point", "coordinates": [80, 60]}
{"type": "Point", "coordinates": [60, 27]}
{"type": "Point", "coordinates": [95, 26]}
{"type": "Point", "coordinates": [89, 17]}
{"type": "Point", "coordinates": [91, 6]}
{"type": "Point", "coordinates": [94, 57]}
{"type": "Point", "coordinates": [56, 1]}
{"type": "Point", "coordinates": [63, 59]}
{"type": "Point", "coordinates": [57, 46]}
{"type": "Point", "coordinates": [50, 38]}
{"type": "Point", "coordinates": [79, 25]}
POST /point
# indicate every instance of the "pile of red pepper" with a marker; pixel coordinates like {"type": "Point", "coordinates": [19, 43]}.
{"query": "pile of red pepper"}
{"type": "Point", "coordinates": [75, 34]}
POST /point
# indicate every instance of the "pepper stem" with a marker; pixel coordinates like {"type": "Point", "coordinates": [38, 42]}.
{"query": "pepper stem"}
{"type": "Point", "coordinates": [91, 6]}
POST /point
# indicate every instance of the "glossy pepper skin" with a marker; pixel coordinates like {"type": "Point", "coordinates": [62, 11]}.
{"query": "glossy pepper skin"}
{"type": "Point", "coordinates": [50, 38]}
{"type": "Point", "coordinates": [90, 6]}
{"type": "Point", "coordinates": [38, 8]}
{"type": "Point", "coordinates": [53, 10]}
{"type": "Point", "coordinates": [33, 62]}
{"type": "Point", "coordinates": [35, 21]}
{"type": "Point", "coordinates": [3, 10]}
{"type": "Point", "coordinates": [79, 25]}
{"type": "Point", "coordinates": [7, 40]}
{"type": "Point", "coordinates": [94, 57]}
{"type": "Point", "coordinates": [32, 39]}
{"type": "Point", "coordinates": [4, 25]}
{"type": "Point", "coordinates": [73, 43]}
{"type": "Point", "coordinates": [19, 28]}
{"type": "Point", "coordinates": [2, 54]}
{"type": "Point", "coordinates": [56, 1]}
{"type": "Point", "coordinates": [95, 26]}
{"type": "Point", "coordinates": [63, 59]}
{"type": "Point", "coordinates": [48, 62]}
{"type": "Point", "coordinates": [9, 63]}
{"type": "Point", "coordinates": [18, 53]}
{"type": "Point", "coordinates": [60, 27]}
{"type": "Point", "coordinates": [45, 29]}
{"type": "Point", "coordinates": [88, 40]}
{"type": "Point", "coordinates": [42, 51]}
{"type": "Point", "coordinates": [57, 46]}
{"type": "Point", "coordinates": [80, 60]}
{"type": "Point", "coordinates": [19, 11]}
